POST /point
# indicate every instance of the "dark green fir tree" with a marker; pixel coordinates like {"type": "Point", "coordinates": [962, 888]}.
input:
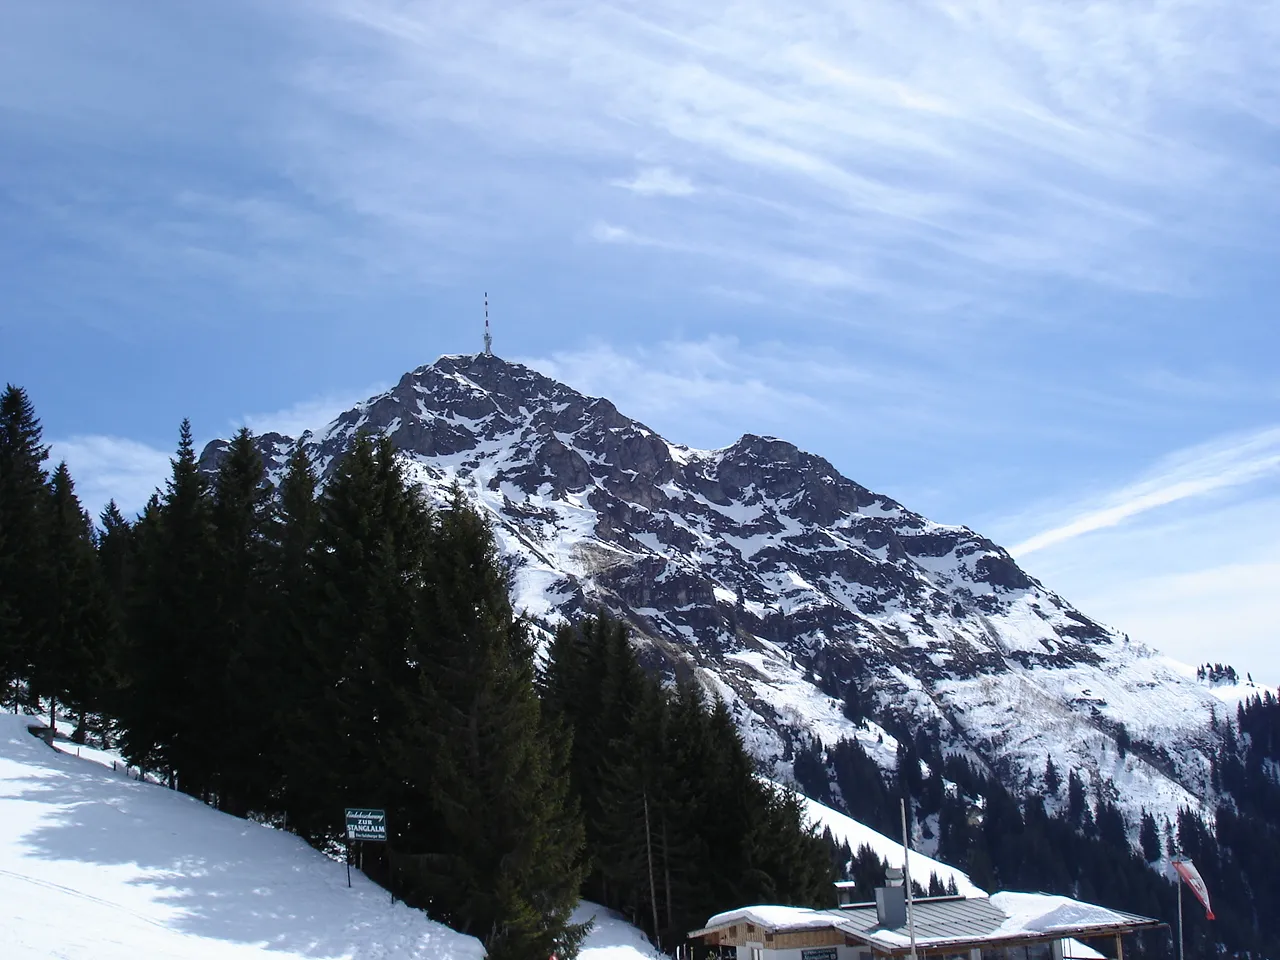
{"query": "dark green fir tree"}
{"type": "Point", "coordinates": [507, 858]}
{"type": "Point", "coordinates": [24, 564]}
{"type": "Point", "coordinates": [75, 657]}
{"type": "Point", "coordinates": [239, 670]}
{"type": "Point", "coordinates": [371, 536]}
{"type": "Point", "coordinates": [171, 647]}
{"type": "Point", "coordinates": [287, 644]}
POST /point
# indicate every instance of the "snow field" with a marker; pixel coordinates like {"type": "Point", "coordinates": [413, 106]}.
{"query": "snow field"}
{"type": "Point", "coordinates": [95, 865]}
{"type": "Point", "coordinates": [847, 830]}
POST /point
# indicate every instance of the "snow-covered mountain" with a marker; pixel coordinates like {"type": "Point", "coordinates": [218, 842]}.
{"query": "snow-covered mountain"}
{"type": "Point", "coordinates": [772, 577]}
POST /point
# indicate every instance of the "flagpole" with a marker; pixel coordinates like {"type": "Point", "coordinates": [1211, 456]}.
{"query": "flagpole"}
{"type": "Point", "coordinates": [1179, 882]}
{"type": "Point", "coordinates": [906, 879]}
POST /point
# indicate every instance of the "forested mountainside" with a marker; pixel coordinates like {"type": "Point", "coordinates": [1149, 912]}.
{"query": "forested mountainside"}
{"type": "Point", "coordinates": [812, 630]}
{"type": "Point", "coordinates": [283, 653]}
{"type": "Point", "coordinates": [834, 622]}
{"type": "Point", "coordinates": [793, 591]}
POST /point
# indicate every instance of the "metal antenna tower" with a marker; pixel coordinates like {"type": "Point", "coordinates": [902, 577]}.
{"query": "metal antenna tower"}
{"type": "Point", "coordinates": [488, 337]}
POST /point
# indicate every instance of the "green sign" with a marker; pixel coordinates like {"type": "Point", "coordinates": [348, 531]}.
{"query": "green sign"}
{"type": "Point", "coordinates": [825, 953]}
{"type": "Point", "coordinates": [365, 824]}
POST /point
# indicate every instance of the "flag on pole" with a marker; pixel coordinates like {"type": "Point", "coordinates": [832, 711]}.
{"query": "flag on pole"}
{"type": "Point", "coordinates": [1191, 876]}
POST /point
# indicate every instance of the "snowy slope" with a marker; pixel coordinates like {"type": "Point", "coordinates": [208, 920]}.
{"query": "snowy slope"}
{"type": "Point", "coordinates": [779, 582]}
{"type": "Point", "coordinates": [611, 937]}
{"type": "Point", "coordinates": [847, 830]}
{"type": "Point", "coordinates": [96, 866]}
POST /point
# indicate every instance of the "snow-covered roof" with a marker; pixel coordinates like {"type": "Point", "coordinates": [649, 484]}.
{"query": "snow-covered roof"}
{"type": "Point", "coordinates": [776, 918]}
{"type": "Point", "coordinates": [1044, 913]}
{"type": "Point", "coordinates": [949, 920]}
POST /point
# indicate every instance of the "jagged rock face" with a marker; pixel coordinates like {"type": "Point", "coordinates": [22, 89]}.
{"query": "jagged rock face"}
{"type": "Point", "coordinates": [765, 572]}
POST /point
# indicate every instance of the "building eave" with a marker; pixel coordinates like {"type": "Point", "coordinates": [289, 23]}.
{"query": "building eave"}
{"type": "Point", "coordinates": [1007, 940]}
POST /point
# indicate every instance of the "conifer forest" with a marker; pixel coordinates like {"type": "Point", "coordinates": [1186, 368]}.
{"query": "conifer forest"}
{"type": "Point", "coordinates": [282, 652]}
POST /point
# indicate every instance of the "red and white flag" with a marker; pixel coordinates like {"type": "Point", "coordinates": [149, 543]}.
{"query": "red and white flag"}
{"type": "Point", "coordinates": [1191, 876]}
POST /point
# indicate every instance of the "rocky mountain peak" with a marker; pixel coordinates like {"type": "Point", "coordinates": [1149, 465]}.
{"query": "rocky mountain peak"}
{"type": "Point", "coordinates": [779, 582]}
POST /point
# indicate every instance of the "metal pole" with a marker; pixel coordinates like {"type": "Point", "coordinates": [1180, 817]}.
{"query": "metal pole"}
{"type": "Point", "coordinates": [648, 850]}
{"type": "Point", "coordinates": [906, 880]}
{"type": "Point", "coordinates": [1179, 882]}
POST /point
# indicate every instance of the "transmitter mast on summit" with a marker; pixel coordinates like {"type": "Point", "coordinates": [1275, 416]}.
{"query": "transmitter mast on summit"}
{"type": "Point", "coordinates": [488, 337]}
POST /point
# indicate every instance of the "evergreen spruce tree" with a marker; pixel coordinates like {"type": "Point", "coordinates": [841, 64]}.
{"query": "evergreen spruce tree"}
{"type": "Point", "coordinates": [787, 858]}
{"type": "Point", "coordinates": [1149, 838]}
{"type": "Point", "coordinates": [678, 826]}
{"type": "Point", "coordinates": [170, 650]}
{"type": "Point", "coordinates": [692, 860]}
{"type": "Point", "coordinates": [633, 809]}
{"type": "Point", "coordinates": [867, 870]}
{"type": "Point", "coordinates": [506, 861]}
{"type": "Point", "coordinates": [1052, 779]}
{"type": "Point", "coordinates": [117, 559]}
{"type": "Point", "coordinates": [680, 853]}
{"type": "Point", "coordinates": [1077, 804]}
{"type": "Point", "coordinates": [74, 656]}
{"type": "Point", "coordinates": [371, 536]}
{"type": "Point", "coordinates": [287, 642]}
{"type": "Point", "coordinates": [241, 678]}
{"type": "Point", "coordinates": [866, 796]}
{"type": "Point", "coordinates": [116, 556]}
{"type": "Point", "coordinates": [625, 771]}
{"type": "Point", "coordinates": [855, 702]}
{"type": "Point", "coordinates": [24, 564]}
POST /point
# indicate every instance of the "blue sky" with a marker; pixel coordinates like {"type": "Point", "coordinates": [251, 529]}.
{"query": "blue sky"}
{"type": "Point", "coordinates": [1010, 263]}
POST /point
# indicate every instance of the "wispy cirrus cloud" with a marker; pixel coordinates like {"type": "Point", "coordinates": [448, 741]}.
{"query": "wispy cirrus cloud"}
{"type": "Point", "coordinates": [1080, 142]}
{"type": "Point", "coordinates": [707, 392]}
{"type": "Point", "coordinates": [964, 149]}
{"type": "Point", "coordinates": [814, 272]}
{"type": "Point", "coordinates": [702, 392]}
{"type": "Point", "coordinates": [658, 182]}
{"type": "Point", "coordinates": [1197, 472]}
{"type": "Point", "coordinates": [1195, 579]}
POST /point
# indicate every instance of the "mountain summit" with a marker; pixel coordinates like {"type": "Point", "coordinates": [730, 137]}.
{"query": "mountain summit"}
{"type": "Point", "coordinates": [818, 609]}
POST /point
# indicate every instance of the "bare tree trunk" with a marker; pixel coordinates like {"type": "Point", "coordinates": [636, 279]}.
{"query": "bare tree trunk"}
{"type": "Point", "coordinates": [648, 849]}
{"type": "Point", "coordinates": [666, 870]}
